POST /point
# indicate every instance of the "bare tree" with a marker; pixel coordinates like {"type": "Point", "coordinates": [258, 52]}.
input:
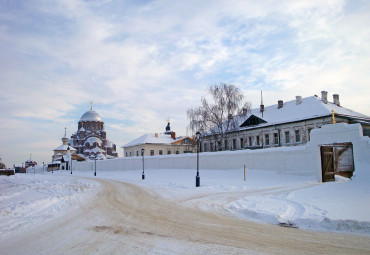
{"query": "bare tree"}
{"type": "Point", "coordinates": [214, 119]}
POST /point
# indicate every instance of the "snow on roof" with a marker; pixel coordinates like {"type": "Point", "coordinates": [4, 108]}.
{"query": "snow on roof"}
{"type": "Point", "coordinates": [97, 149]}
{"type": "Point", "coordinates": [311, 107]}
{"type": "Point", "coordinates": [64, 147]}
{"type": "Point", "coordinates": [151, 139]}
{"type": "Point", "coordinates": [100, 156]}
{"type": "Point", "coordinates": [92, 140]}
{"type": "Point", "coordinates": [109, 144]}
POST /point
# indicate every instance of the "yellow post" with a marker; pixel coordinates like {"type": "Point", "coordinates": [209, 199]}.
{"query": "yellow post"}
{"type": "Point", "coordinates": [244, 172]}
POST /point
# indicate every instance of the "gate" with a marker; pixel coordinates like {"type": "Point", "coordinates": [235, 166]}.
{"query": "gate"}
{"type": "Point", "coordinates": [337, 159]}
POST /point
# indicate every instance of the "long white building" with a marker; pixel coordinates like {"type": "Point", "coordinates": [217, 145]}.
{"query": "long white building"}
{"type": "Point", "coordinates": [284, 124]}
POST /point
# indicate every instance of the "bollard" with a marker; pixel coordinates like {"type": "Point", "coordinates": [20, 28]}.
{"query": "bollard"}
{"type": "Point", "coordinates": [244, 173]}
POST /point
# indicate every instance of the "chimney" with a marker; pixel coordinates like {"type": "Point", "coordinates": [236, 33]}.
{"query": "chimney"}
{"type": "Point", "coordinates": [336, 99]}
{"type": "Point", "coordinates": [173, 135]}
{"type": "Point", "coordinates": [262, 108]}
{"type": "Point", "coordinates": [156, 135]}
{"type": "Point", "coordinates": [298, 100]}
{"type": "Point", "coordinates": [280, 104]}
{"type": "Point", "coordinates": [245, 111]}
{"type": "Point", "coordinates": [324, 97]}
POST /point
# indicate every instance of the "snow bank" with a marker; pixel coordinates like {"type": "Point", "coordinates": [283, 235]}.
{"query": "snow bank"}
{"type": "Point", "coordinates": [29, 198]}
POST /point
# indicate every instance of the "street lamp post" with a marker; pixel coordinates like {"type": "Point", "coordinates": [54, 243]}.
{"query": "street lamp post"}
{"type": "Point", "coordinates": [142, 154]}
{"type": "Point", "coordinates": [197, 178]}
{"type": "Point", "coordinates": [95, 166]}
{"type": "Point", "coordinates": [70, 158]}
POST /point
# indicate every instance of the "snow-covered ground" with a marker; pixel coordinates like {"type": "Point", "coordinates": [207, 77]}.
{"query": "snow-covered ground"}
{"type": "Point", "coordinates": [30, 198]}
{"type": "Point", "coordinates": [265, 196]}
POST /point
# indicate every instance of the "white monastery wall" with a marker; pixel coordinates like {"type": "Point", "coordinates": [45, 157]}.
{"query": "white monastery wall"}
{"type": "Point", "coordinates": [304, 159]}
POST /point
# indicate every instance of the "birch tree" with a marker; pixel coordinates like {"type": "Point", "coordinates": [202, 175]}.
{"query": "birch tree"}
{"type": "Point", "coordinates": [216, 117]}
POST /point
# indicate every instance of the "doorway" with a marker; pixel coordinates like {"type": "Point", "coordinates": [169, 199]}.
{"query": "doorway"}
{"type": "Point", "coordinates": [337, 159]}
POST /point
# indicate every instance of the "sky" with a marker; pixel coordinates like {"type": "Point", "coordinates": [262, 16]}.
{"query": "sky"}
{"type": "Point", "coordinates": [142, 62]}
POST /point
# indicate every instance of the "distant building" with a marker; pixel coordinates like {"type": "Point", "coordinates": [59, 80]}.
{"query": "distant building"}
{"type": "Point", "coordinates": [90, 140]}
{"type": "Point", "coordinates": [61, 153]}
{"type": "Point", "coordinates": [284, 124]}
{"type": "Point", "coordinates": [19, 169]}
{"type": "Point", "coordinates": [160, 144]}
{"type": "Point", "coordinates": [30, 162]}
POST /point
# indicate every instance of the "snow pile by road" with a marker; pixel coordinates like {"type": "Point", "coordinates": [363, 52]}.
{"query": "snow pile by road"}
{"type": "Point", "coordinates": [27, 198]}
{"type": "Point", "coordinates": [342, 205]}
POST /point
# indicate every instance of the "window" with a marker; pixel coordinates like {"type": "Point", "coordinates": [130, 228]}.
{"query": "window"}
{"type": "Point", "coordinates": [267, 139]}
{"type": "Point", "coordinates": [226, 145]}
{"type": "Point", "coordinates": [137, 153]}
{"type": "Point", "coordinates": [309, 133]}
{"type": "Point", "coordinates": [160, 152]}
{"type": "Point", "coordinates": [211, 149]}
{"type": "Point", "coordinates": [126, 154]}
{"type": "Point", "coordinates": [241, 143]}
{"type": "Point", "coordinates": [177, 152]}
{"type": "Point", "coordinates": [234, 144]}
{"type": "Point", "coordinates": [276, 138]}
{"type": "Point", "coordinates": [297, 136]}
{"type": "Point", "coordinates": [287, 137]}
{"type": "Point", "coordinates": [168, 152]}
{"type": "Point", "coordinates": [258, 140]}
{"type": "Point", "coordinates": [151, 152]}
{"type": "Point", "coordinates": [250, 141]}
{"type": "Point", "coordinates": [130, 154]}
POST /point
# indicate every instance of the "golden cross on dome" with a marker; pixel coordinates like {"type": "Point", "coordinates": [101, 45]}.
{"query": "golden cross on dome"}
{"type": "Point", "coordinates": [168, 120]}
{"type": "Point", "coordinates": [333, 116]}
{"type": "Point", "coordinates": [91, 102]}
{"type": "Point", "coordinates": [65, 131]}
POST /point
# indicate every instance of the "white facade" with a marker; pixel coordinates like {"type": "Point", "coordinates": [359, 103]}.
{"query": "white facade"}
{"type": "Point", "coordinates": [283, 124]}
{"type": "Point", "coordinates": [159, 144]}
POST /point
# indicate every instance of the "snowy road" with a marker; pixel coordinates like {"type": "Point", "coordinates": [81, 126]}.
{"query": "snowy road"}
{"type": "Point", "coordinates": [124, 218]}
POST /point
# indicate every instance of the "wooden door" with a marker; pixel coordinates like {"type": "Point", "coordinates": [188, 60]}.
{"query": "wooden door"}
{"type": "Point", "coordinates": [343, 159]}
{"type": "Point", "coordinates": [327, 163]}
{"type": "Point", "coordinates": [337, 159]}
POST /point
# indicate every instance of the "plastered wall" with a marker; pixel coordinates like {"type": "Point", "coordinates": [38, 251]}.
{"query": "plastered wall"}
{"type": "Point", "coordinates": [303, 160]}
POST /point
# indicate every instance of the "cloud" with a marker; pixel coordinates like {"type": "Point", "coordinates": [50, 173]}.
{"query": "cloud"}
{"type": "Point", "coordinates": [141, 62]}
